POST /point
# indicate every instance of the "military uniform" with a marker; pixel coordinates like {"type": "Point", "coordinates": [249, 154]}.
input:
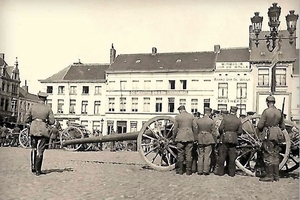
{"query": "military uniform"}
{"type": "Point", "coordinates": [16, 132]}
{"type": "Point", "coordinates": [39, 116]}
{"type": "Point", "coordinates": [270, 124]}
{"type": "Point", "coordinates": [184, 132]}
{"type": "Point", "coordinates": [206, 139]}
{"type": "Point", "coordinates": [54, 132]}
{"type": "Point", "coordinates": [230, 128]}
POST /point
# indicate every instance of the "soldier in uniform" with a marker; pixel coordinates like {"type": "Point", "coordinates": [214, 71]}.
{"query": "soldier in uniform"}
{"type": "Point", "coordinates": [16, 132]}
{"type": "Point", "coordinates": [39, 116]}
{"type": "Point", "coordinates": [4, 135]}
{"type": "Point", "coordinates": [229, 129]}
{"type": "Point", "coordinates": [54, 132]}
{"type": "Point", "coordinates": [185, 128]}
{"type": "Point", "coordinates": [271, 125]}
{"type": "Point", "coordinates": [206, 141]}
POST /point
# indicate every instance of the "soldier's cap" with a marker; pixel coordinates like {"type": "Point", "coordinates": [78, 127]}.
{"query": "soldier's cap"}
{"type": "Point", "coordinates": [224, 111]}
{"type": "Point", "coordinates": [216, 111]}
{"type": "Point", "coordinates": [270, 99]}
{"type": "Point", "coordinates": [251, 113]}
{"type": "Point", "coordinates": [242, 115]}
{"type": "Point", "coordinates": [233, 109]}
{"type": "Point", "coordinates": [42, 94]}
{"type": "Point", "coordinates": [182, 107]}
{"type": "Point", "coordinates": [207, 109]}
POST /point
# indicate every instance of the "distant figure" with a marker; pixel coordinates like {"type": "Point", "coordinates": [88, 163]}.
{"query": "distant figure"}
{"type": "Point", "coordinates": [40, 116]}
{"type": "Point", "coordinates": [16, 132]}
{"type": "Point", "coordinates": [113, 143]}
{"type": "Point", "coordinates": [4, 134]}
{"type": "Point", "coordinates": [54, 133]}
{"type": "Point", "coordinates": [271, 124]}
{"type": "Point", "coordinates": [185, 129]}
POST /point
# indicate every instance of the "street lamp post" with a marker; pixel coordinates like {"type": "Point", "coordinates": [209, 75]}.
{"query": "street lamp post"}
{"type": "Point", "coordinates": [273, 40]}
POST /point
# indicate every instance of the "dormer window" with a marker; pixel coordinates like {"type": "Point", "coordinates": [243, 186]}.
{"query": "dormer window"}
{"type": "Point", "coordinates": [178, 60]}
{"type": "Point", "coordinates": [138, 61]}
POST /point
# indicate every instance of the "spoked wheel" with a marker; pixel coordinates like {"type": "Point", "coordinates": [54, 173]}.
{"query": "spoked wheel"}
{"type": "Point", "coordinates": [249, 157]}
{"type": "Point", "coordinates": [24, 138]}
{"type": "Point", "coordinates": [71, 133]}
{"type": "Point", "coordinates": [87, 134]}
{"type": "Point", "coordinates": [155, 144]}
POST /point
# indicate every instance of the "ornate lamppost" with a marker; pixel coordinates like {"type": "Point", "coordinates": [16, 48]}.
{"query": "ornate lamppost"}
{"type": "Point", "coordinates": [273, 40]}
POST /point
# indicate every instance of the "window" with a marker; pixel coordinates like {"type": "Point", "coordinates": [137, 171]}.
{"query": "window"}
{"type": "Point", "coordinates": [182, 102]}
{"type": "Point", "coordinates": [280, 77]}
{"type": "Point", "coordinates": [7, 88]}
{"type": "Point", "coordinates": [49, 89]}
{"type": "Point", "coordinates": [158, 105]}
{"type": "Point", "coordinates": [241, 108]}
{"type": "Point", "coordinates": [183, 84]}
{"type": "Point", "coordinates": [84, 105]}
{"type": "Point", "coordinates": [206, 103]}
{"type": "Point", "coordinates": [194, 105]}
{"type": "Point", "coordinates": [171, 104]}
{"type": "Point", "coordinates": [49, 103]}
{"type": "Point", "coordinates": [223, 90]}
{"type": "Point", "coordinates": [73, 90]}
{"type": "Point", "coordinates": [3, 87]}
{"type": "Point", "coordinates": [85, 123]}
{"type": "Point", "coordinates": [172, 84]}
{"type": "Point", "coordinates": [241, 90]}
{"type": "Point", "coordinates": [133, 126]}
{"type": "Point", "coordinates": [111, 104]}
{"type": "Point", "coordinates": [195, 84]}
{"type": "Point", "coordinates": [134, 104]}
{"type": "Point", "coordinates": [97, 105]}
{"type": "Point", "coordinates": [85, 89]}
{"type": "Point", "coordinates": [147, 84]}
{"type": "Point", "coordinates": [146, 104]}
{"type": "Point", "coordinates": [2, 104]}
{"type": "Point", "coordinates": [61, 89]}
{"type": "Point", "coordinates": [96, 125]}
{"type": "Point", "coordinates": [98, 90]}
{"type": "Point", "coordinates": [135, 84]}
{"type": "Point", "coordinates": [123, 104]}
{"type": "Point", "coordinates": [60, 105]}
{"type": "Point", "coordinates": [123, 85]}
{"type": "Point", "coordinates": [222, 106]}
{"type": "Point", "coordinates": [72, 106]}
{"type": "Point", "coordinates": [6, 105]}
{"type": "Point", "coordinates": [159, 84]}
{"type": "Point", "coordinates": [263, 77]}
{"type": "Point", "coordinates": [112, 85]}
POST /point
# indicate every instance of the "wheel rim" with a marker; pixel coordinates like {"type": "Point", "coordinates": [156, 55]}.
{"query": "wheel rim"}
{"type": "Point", "coordinates": [24, 138]}
{"type": "Point", "coordinates": [249, 157]}
{"type": "Point", "coordinates": [155, 143]}
{"type": "Point", "coordinates": [71, 133]}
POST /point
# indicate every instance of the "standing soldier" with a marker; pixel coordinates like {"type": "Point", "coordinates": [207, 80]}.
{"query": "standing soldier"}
{"type": "Point", "coordinates": [206, 140]}
{"type": "Point", "coordinates": [185, 128]}
{"type": "Point", "coordinates": [230, 128]}
{"type": "Point", "coordinates": [4, 134]}
{"type": "Point", "coordinates": [270, 124]}
{"type": "Point", "coordinates": [16, 132]}
{"type": "Point", "coordinates": [40, 116]}
{"type": "Point", "coordinates": [54, 132]}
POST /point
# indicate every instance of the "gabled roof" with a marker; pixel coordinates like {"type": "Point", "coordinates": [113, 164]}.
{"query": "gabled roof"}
{"type": "Point", "coordinates": [29, 96]}
{"type": "Point", "coordinates": [234, 55]}
{"type": "Point", "coordinates": [164, 62]}
{"type": "Point", "coordinates": [79, 72]}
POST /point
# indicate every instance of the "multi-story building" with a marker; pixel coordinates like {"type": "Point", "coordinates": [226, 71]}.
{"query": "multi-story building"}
{"type": "Point", "coordinates": [77, 94]}
{"type": "Point", "coordinates": [286, 74]}
{"type": "Point", "coordinates": [9, 91]}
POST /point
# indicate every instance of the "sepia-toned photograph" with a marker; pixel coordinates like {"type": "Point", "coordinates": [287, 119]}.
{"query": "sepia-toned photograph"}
{"type": "Point", "coordinates": [149, 99]}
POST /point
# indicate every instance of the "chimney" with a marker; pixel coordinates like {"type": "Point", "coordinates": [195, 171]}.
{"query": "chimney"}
{"type": "Point", "coordinates": [2, 55]}
{"type": "Point", "coordinates": [217, 48]}
{"type": "Point", "coordinates": [112, 54]}
{"type": "Point", "coordinates": [154, 51]}
{"type": "Point", "coordinates": [25, 87]}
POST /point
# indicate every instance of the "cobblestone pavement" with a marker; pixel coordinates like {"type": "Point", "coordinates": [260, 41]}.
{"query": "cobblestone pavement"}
{"type": "Point", "coordinates": [121, 175]}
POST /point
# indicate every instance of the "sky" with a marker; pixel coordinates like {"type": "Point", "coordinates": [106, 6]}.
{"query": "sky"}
{"type": "Point", "coordinates": [48, 36]}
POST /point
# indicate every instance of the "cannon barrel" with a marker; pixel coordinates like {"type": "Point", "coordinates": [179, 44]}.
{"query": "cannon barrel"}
{"type": "Point", "coordinates": [105, 138]}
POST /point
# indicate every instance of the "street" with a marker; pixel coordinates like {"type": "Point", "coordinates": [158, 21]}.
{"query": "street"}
{"type": "Point", "coordinates": [123, 175]}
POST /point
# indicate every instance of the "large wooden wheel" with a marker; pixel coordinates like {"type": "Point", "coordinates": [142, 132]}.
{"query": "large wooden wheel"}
{"type": "Point", "coordinates": [71, 133]}
{"type": "Point", "coordinates": [155, 143]}
{"type": "Point", "coordinates": [249, 157]}
{"type": "Point", "coordinates": [24, 138]}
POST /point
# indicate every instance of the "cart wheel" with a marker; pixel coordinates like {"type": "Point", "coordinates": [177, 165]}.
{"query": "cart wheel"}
{"type": "Point", "coordinates": [155, 144]}
{"type": "Point", "coordinates": [71, 133]}
{"type": "Point", "coordinates": [87, 134]}
{"type": "Point", "coordinates": [249, 157]}
{"type": "Point", "coordinates": [24, 138]}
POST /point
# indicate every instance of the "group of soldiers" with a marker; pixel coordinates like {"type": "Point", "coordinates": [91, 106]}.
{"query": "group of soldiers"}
{"type": "Point", "coordinates": [9, 137]}
{"type": "Point", "coordinates": [192, 131]}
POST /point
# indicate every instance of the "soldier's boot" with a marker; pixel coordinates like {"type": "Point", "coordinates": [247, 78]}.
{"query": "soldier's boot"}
{"type": "Point", "coordinates": [33, 161]}
{"type": "Point", "coordinates": [269, 176]}
{"type": "Point", "coordinates": [276, 172]}
{"type": "Point", "coordinates": [194, 166]}
{"type": "Point", "coordinates": [39, 162]}
{"type": "Point", "coordinates": [179, 168]}
{"type": "Point", "coordinates": [189, 167]}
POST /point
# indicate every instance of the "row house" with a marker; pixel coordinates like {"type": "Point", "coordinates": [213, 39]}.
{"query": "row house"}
{"type": "Point", "coordinates": [9, 90]}
{"type": "Point", "coordinates": [77, 94]}
{"type": "Point", "coordinates": [286, 74]}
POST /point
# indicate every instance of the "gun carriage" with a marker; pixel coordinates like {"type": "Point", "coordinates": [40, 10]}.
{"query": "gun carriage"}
{"type": "Point", "coordinates": [155, 144]}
